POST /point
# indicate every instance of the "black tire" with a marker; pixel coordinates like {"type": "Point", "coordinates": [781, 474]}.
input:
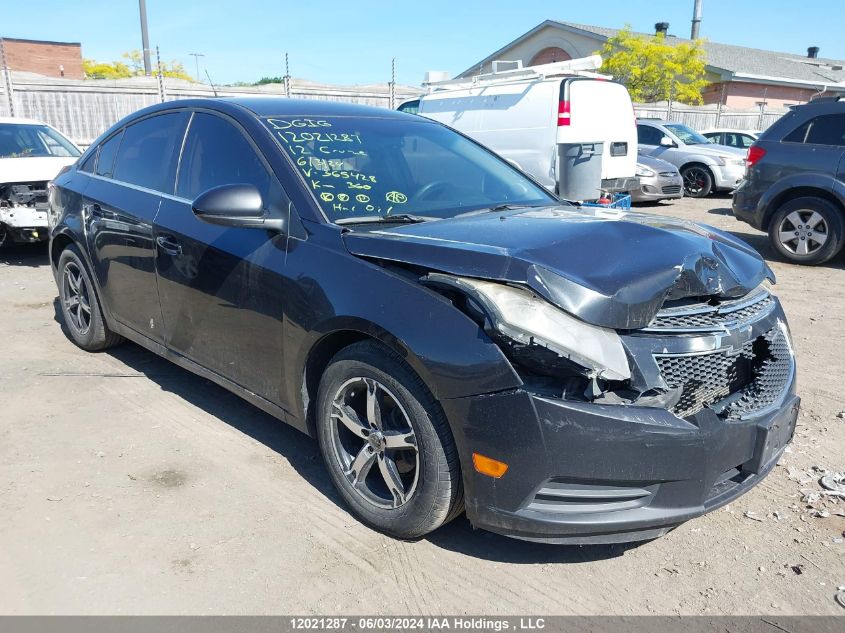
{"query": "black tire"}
{"type": "Point", "coordinates": [86, 328]}
{"type": "Point", "coordinates": [698, 181]}
{"type": "Point", "coordinates": [807, 220]}
{"type": "Point", "coordinates": [437, 495]}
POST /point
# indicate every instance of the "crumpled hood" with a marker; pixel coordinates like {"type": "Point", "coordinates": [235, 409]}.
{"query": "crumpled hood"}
{"type": "Point", "coordinates": [32, 168]}
{"type": "Point", "coordinates": [607, 267]}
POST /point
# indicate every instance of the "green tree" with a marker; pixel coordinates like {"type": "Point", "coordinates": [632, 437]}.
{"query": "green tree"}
{"type": "Point", "coordinates": [653, 69]}
{"type": "Point", "coordinates": [133, 66]}
{"type": "Point", "coordinates": [269, 80]}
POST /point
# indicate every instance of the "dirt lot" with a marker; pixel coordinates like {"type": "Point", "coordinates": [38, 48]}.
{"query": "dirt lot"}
{"type": "Point", "coordinates": [128, 485]}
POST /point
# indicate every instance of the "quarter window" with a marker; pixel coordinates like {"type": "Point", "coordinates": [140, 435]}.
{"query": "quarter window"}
{"type": "Point", "coordinates": [148, 154]}
{"type": "Point", "coordinates": [216, 153]}
{"type": "Point", "coordinates": [108, 150]}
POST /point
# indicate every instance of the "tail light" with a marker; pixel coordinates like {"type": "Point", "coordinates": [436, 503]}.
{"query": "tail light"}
{"type": "Point", "coordinates": [755, 153]}
{"type": "Point", "coordinates": [564, 116]}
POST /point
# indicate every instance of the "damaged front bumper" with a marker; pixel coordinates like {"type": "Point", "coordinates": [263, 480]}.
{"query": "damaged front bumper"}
{"type": "Point", "coordinates": [613, 471]}
{"type": "Point", "coordinates": [584, 473]}
{"type": "Point", "coordinates": [23, 213]}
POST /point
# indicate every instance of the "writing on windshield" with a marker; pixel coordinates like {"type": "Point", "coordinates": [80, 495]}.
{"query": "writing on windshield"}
{"type": "Point", "coordinates": [365, 166]}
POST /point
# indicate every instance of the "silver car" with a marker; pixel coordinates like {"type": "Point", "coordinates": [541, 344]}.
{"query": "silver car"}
{"type": "Point", "coordinates": [659, 180]}
{"type": "Point", "coordinates": [704, 166]}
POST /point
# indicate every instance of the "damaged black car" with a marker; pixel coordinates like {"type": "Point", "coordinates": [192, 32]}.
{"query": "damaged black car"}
{"type": "Point", "coordinates": [455, 337]}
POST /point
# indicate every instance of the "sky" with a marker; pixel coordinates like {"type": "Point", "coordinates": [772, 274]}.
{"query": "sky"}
{"type": "Point", "coordinates": [353, 42]}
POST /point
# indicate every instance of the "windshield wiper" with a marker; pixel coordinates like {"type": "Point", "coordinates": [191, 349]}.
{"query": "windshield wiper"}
{"type": "Point", "coordinates": [405, 218]}
{"type": "Point", "coordinates": [502, 207]}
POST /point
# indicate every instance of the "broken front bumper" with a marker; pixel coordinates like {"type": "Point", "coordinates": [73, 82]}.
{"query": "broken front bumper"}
{"type": "Point", "coordinates": [586, 473]}
{"type": "Point", "coordinates": [24, 223]}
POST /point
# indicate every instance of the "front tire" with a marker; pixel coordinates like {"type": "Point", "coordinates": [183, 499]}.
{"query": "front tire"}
{"type": "Point", "coordinates": [386, 443]}
{"type": "Point", "coordinates": [698, 181]}
{"type": "Point", "coordinates": [807, 230]}
{"type": "Point", "coordinates": [83, 317]}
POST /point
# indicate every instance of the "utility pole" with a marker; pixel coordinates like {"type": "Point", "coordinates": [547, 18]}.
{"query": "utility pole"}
{"type": "Point", "coordinates": [696, 20]}
{"type": "Point", "coordinates": [287, 76]}
{"type": "Point", "coordinates": [197, 60]}
{"type": "Point", "coordinates": [393, 84]}
{"type": "Point", "coordinates": [145, 38]}
{"type": "Point", "coordinates": [7, 76]}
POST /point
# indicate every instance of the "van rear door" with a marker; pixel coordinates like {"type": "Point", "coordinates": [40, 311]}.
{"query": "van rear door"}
{"type": "Point", "coordinates": [597, 110]}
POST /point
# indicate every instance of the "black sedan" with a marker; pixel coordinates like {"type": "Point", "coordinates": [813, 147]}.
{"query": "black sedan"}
{"type": "Point", "coordinates": [453, 335]}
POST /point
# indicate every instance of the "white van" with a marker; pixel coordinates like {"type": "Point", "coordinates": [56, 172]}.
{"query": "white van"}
{"type": "Point", "coordinates": [524, 114]}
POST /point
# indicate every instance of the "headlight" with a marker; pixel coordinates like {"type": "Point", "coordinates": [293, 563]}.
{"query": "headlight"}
{"type": "Point", "coordinates": [644, 172]}
{"type": "Point", "coordinates": [523, 317]}
{"type": "Point", "coordinates": [730, 160]}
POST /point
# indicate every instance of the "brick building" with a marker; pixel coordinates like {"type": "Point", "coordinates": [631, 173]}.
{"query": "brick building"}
{"type": "Point", "coordinates": [739, 77]}
{"type": "Point", "coordinates": [53, 59]}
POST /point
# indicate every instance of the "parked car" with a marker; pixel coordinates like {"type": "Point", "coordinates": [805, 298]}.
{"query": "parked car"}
{"type": "Point", "coordinates": [704, 166]}
{"type": "Point", "coordinates": [658, 180]}
{"type": "Point", "coordinates": [452, 334]}
{"type": "Point", "coordinates": [531, 117]}
{"type": "Point", "coordinates": [742, 139]}
{"type": "Point", "coordinates": [795, 184]}
{"type": "Point", "coordinates": [31, 154]}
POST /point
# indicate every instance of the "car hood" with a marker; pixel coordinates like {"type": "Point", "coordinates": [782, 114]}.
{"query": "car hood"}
{"type": "Point", "coordinates": [714, 149]}
{"type": "Point", "coordinates": [610, 268]}
{"type": "Point", "coordinates": [657, 164]}
{"type": "Point", "coordinates": [33, 168]}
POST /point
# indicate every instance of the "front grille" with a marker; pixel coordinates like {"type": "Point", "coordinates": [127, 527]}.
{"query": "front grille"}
{"type": "Point", "coordinates": [704, 317]}
{"type": "Point", "coordinates": [748, 380]}
{"type": "Point", "coordinates": [672, 189]}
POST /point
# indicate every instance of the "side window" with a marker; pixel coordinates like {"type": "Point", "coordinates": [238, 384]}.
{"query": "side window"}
{"type": "Point", "coordinates": [746, 140]}
{"type": "Point", "coordinates": [799, 134]}
{"type": "Point", "coordinates": [108, 150]}
{"type": "Point", "coordinates": [647, 135]}
{"type": "Point", "coordinates": [216, 153]}
{"type": "Point", "coordinates": [88, 164]}
{"type": "Point", "coordinates": [148, 154]}
{"type": "Point", "coordinates": [827, 130]}
{"type": "Point", "coordinates": [411, 107]}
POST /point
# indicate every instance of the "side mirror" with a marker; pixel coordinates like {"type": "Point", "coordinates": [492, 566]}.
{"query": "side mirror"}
{"type": "Point", "coordinates": [235, 205]}
{"type": "Point", "coordinates": [665, 141]}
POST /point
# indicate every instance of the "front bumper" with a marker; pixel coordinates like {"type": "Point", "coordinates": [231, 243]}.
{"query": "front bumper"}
{"type": "Point", "coordinates": [728, 176]}
{"type": "Point", "coordinates": [24, 223]}
{"type": "Point", "coordinates": [658, 187]}
{"type": "Point", "coordinates": [585, 473]}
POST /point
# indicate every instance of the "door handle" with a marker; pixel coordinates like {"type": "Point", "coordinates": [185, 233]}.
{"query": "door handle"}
{"type": "Point", "coordinates": [169, 245]}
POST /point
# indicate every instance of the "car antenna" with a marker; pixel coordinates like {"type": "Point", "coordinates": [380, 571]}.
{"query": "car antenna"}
{"type": "Point", "coordinates": [210, 83]}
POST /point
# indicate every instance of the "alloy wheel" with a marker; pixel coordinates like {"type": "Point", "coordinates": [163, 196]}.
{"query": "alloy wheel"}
{"type": "Point", "coordinates": [695, 179]}
{"type": "Point", "coordinates": [374, 443]}
{"type": "Point", "coordinates": [803, 232]}
{"type": "Point", "coordinates": [76, 299]}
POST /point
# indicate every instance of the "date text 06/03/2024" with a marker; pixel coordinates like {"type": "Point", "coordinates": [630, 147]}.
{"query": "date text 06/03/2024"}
{"type": "Point", "coordinates": [418, 623]}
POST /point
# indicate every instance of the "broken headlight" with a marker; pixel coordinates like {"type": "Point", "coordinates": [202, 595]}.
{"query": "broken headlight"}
{"type": "Point", "coordinates": [521, 316]}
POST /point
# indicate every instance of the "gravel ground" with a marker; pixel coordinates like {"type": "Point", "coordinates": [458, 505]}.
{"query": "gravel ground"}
{"type": "Point", "coordinates": [128, 485]}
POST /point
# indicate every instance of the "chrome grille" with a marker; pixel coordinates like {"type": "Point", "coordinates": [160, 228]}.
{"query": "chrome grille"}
{"type": "Point", "coordinates": [756, 376]}
{"type": "Point", "coordinates": [703, 317]}
{"type": "Point", "coordinates": [672, 189]}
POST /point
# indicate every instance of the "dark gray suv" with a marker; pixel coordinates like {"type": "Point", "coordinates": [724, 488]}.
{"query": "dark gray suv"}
{"type": "Point", "coordinates": [794, 186]}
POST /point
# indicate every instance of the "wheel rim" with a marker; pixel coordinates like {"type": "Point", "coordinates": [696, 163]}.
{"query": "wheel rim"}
{"type": "Point", "coordinates": [695, 180]}
{"type": "Point", "coordinates": [803, 232]}
{"type": "Point", "coordinates": [76, 299]}
{"type": "Point", "coordinates": [374, 443]}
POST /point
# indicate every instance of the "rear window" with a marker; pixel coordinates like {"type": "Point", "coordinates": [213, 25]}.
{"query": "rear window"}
{"type": "Point", "coordinates": [148, 153]}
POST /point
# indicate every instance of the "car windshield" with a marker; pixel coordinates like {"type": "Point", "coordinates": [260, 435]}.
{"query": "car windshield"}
{"type": "Point", "coordinates": [687, 134]}
{"type": "Point", "coordinates": [29, 140]}
{"type": "Point", "coordinates": [365, 167]}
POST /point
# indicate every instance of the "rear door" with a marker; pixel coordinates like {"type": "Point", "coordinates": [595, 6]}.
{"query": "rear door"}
{"type": "Point", "coordinates": [221, 287]}
{"type": "Point", "coordinates": [648, 139]}
{"type": "Point", "coordinates": [134, 167]}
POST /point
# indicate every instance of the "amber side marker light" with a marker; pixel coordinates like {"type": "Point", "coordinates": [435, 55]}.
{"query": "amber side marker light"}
{"type": "Point", "coordinates": [489, 466]}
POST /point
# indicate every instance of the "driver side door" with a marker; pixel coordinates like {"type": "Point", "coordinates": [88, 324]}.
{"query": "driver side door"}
{"type": "Point", "coordinates": [221, 286]}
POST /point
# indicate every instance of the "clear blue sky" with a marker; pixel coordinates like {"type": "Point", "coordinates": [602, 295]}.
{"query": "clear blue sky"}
{"type": "Point", "coordinates": [353, 41]}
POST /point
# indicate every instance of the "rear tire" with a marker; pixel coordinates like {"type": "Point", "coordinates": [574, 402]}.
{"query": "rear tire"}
{"type": "Point", "coordinates": [83, 317]}
{"type": "Point", "coordinates": [807, 230]}
{"type": "Point", "coordinates": [386, 443]}
{"type": "Point", "coordinates": [698, 181]}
